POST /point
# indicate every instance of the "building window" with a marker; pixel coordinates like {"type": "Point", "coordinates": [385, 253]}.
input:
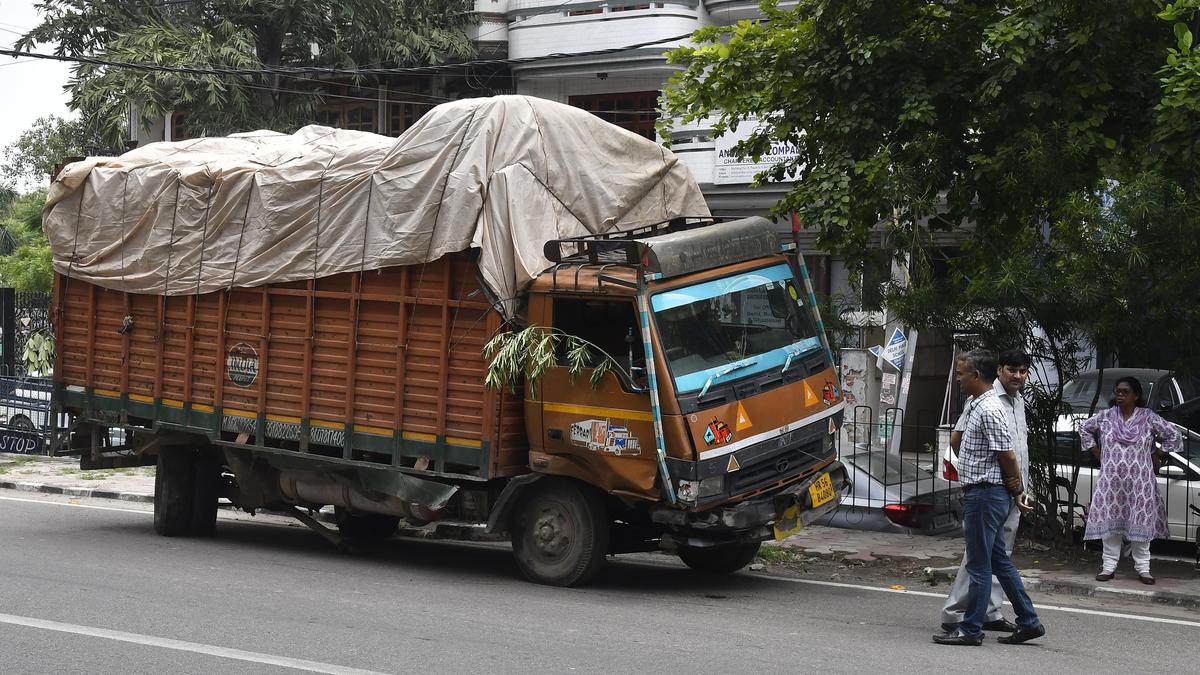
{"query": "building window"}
{"type": "Point", "coordinates": [585, 12]}
{"type": "Point", "coordinates": [628, 8]}
{"type": "Point", "coordinates": [635, 111]}
{"type": "Point", "coordinates": [402, 115]}
{"type": "Point", "coordinates": [179, 127]}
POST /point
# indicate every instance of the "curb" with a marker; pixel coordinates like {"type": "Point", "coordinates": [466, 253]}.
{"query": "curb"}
{"type": "Point", "coordinates": [1068, 587]}
{"type": "Point", "coordinates": [82, 493]}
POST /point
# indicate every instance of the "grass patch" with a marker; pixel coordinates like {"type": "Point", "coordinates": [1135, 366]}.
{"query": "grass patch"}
{"type": "Point", "coordinates": [778, 555]}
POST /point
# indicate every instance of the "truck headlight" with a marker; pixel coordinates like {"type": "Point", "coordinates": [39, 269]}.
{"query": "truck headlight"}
{"type": "Point", "coordinates": [692, 490]}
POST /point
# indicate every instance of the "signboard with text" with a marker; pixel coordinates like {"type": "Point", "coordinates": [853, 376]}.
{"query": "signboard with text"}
{"type": "Point", "coordinates": [729, 170]}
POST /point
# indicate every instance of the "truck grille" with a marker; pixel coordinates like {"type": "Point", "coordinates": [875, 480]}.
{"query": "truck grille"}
{"type": "Point", "coordinates": [779, 466]}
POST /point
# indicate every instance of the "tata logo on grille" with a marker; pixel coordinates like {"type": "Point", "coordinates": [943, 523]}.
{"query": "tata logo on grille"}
{"type": "Point", "coordinates": [242, 364]}
{"type": "Point", "coordinates": [781, 465]}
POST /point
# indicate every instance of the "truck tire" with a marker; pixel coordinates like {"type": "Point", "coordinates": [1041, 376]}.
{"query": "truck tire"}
{"type": "Point", "coordinates": [204, 496]}
{"type": "Point", "coordinates": [174, 492]}
{"type": "Point", "coordinates": [560, 534]}
{"type": "Point", "coordinates": [365, 525]}
{"type": "Point", "coordinates": [719, 559]}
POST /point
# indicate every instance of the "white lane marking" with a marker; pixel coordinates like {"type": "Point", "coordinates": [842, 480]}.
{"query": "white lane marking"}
{"type": "Point", "coordinates": [77, 506]}
{"type": "Point", "coordinates": [1039, 607]}
{"type": "Point", "coordinates": [180, 645]}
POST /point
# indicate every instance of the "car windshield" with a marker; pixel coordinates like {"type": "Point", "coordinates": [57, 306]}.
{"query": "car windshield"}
{"type": "Point", "coordinates": [1078, 393]}
{"type": "Point", "coordinates": [885, 468]}
{"type": "Point", "coordinates": [735, 326]}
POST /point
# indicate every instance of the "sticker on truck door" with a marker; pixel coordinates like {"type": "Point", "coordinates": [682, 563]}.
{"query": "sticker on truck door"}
{"type": "Point", "coordinates": [242, 364]}
{"type": "Point", "coordinates": [601, 436]}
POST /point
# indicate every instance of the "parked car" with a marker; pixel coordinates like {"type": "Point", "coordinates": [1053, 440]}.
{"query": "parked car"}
{"type": "Point", "coordinates": [891, 494]}
{"type": "Point", "coordinates": [1175, 396]}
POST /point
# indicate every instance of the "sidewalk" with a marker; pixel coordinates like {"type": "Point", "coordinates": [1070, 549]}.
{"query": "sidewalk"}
{"type": "Point", "coordinates": [937, 560]}
{"type": "Point", "coordinates": [877, 557]}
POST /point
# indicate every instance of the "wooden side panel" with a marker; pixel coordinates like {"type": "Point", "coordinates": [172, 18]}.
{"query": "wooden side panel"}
{"type": "Point", "coordinates": [389, 350]}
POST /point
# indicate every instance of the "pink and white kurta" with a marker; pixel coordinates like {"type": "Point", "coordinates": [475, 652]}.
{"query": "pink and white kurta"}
{"type": "Point", "coordinates": [1126, 499]}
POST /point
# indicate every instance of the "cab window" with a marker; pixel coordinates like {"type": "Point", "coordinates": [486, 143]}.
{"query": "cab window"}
{"type": "Point", "coordinates": [610, 325]}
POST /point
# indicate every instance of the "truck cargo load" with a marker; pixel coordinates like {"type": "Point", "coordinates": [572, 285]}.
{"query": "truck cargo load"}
{"type": "Point", "coordinates": [298, 322]}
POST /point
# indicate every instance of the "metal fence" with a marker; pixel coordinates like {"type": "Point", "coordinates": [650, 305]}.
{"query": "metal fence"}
{"type": "Point", "coordinates": [27, 421]}
{"type": "Point", "coordinates": [904, 480]}
{"type": "Point", "coordinates": [894, 489]}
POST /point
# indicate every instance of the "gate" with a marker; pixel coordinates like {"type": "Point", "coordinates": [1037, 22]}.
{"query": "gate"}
{"type": "Point", "coordinates": [26, 419]}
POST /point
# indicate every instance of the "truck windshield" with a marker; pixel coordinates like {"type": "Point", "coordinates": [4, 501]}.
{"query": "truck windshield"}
{"type": "Point", "coordinates": [755, 321]}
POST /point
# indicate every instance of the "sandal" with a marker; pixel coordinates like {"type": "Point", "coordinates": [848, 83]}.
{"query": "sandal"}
{"type": "Point", "coordinates": [1146, 579]}
{"type": "Point", "coordinates": [1106, 576]}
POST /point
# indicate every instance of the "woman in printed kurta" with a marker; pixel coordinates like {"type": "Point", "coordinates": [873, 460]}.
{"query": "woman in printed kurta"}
{"type": "Point", "coordinates": [1126, 503]}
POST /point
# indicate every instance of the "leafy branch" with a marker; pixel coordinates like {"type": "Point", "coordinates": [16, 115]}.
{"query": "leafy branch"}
{"type": "Point", "coordinates": [524, 356]}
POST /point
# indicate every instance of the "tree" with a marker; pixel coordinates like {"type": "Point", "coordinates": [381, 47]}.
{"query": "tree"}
{"type": "Point", "coordinates": [31, 159]}
{"type": "Point", "coordinates": [26, 262]}
{"type": "Point", "coordinates": [258, 35]}
{"type": "Point", "coordinates": [1055, 139]}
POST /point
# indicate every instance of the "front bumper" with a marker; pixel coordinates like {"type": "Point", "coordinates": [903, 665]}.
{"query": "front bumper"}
{"type": "Point", "coordinates": [752, 519]}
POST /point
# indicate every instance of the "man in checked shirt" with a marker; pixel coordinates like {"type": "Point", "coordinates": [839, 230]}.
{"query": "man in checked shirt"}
{"type": "Point", "coordinates": [991, 479]}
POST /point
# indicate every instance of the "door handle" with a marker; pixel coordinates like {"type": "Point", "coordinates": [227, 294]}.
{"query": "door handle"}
{"type": "Point", "coordinates": [554, 434]}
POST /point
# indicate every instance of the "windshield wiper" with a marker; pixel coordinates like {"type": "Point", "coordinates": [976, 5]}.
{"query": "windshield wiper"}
{"type": "Point", "coordinates": [722, 373]}
{"type": "Point", "coordinates": [794, 353]}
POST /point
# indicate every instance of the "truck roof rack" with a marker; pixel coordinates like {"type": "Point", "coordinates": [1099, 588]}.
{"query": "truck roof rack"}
{"type": "Point", "coordinates": [669, 248]}
{"type": "Point", "coordinates": [618, 247]}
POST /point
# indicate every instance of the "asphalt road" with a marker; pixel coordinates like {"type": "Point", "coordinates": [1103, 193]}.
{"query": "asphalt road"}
{"type": "Point", "coordinates": [89, 588]}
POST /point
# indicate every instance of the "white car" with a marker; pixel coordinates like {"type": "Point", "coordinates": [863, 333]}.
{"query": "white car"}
{"type": "Point", "coordinates": [1076, 473]}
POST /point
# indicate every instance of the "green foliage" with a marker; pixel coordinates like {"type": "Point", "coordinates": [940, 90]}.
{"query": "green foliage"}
{"type": "Point", "coordinates": [1055, 139]}
{"type": "Point", "coordinates": [30, 265]}
{"type": "Point", "coordinates": [239, 34]}
{"type": "Point", "coordinates": [31, 159]}
{"type": "Point", "coordinates": [39, 353]}
{"type": "Point", "coordinates": [523, 356]}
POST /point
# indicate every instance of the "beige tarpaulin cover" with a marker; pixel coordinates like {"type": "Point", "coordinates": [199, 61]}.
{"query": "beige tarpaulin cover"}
{"type": "Point", "coordinates": [502, 174]}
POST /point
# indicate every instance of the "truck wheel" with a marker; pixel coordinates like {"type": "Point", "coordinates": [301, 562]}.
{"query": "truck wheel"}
{"type": "Point", "coordinates": [560, 534]}
{"type": "Point", "coordinates": [365, 525]}
{"type": "Point", "coordinates": [719, 559]}
{"type": "Point", "coordinates": [174, 492]}
{"type": "Point", "coordinates": [204, 499]}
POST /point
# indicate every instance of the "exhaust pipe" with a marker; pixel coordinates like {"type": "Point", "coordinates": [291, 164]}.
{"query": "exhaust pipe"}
{"type": "Point", "coordinates": [299, 489]}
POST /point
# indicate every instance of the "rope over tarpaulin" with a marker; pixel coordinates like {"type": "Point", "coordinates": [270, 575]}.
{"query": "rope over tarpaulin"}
{"type": "Point", "coordinates": [502, 175]}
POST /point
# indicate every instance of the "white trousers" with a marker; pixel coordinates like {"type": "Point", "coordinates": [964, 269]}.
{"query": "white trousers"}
{"type": "Point", "coordinates": [1138, 550]}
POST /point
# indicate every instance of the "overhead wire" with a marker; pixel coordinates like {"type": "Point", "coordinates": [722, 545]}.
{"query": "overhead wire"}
{"type": "Point", "coordinates": [314, 70]}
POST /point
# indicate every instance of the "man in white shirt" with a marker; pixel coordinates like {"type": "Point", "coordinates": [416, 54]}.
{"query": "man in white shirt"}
{"type": "Point", "coordinates": [1011, 375]}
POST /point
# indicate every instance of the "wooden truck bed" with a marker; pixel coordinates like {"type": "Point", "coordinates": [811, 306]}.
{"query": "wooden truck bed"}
{"type": "Point", "coordinates": [381, 366]}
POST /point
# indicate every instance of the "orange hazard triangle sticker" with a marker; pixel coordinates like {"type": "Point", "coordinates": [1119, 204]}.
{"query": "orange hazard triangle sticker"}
{"type": "Point", "coordinates": [810, 397]}
{"type": "Point", "coordinates": [743, 420]}
{"type": "Point", "coordinates": [733, 465]}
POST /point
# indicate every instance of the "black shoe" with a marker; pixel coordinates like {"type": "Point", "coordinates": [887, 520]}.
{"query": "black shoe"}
{"type": "Point", "coordinates": [1023, 635]}
{"type": "Point", "coordinates": [1000, 625]}
{"type": "Point", "coordinates": [959, 638]}
{"type": "Point", "coordinates": [949, 627]}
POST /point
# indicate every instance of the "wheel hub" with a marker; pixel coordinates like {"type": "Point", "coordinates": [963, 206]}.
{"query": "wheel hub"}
{"type": "Point", "coordinates": [551, 535]}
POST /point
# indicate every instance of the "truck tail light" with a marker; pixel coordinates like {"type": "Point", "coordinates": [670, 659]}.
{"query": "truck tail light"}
{"type": "Point", "coordinates": [905, 515]}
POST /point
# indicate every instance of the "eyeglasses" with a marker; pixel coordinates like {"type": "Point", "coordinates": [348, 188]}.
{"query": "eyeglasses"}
{"type": "Point", "coordinates": [1122, 392]}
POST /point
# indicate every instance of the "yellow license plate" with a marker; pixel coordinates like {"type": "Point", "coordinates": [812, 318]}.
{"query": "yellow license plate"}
{"type": "Point", "coordinates": [821, 491]}
{"type": "Point", "coordinates": [788, 523]}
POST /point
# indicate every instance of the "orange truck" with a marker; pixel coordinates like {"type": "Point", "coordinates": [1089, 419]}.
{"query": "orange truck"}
{"type": "Point", "coordinates": [363, 389]}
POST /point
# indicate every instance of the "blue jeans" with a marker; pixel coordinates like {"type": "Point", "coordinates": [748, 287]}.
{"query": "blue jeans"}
{"type": "Point", "coordinates": [984, 510]}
